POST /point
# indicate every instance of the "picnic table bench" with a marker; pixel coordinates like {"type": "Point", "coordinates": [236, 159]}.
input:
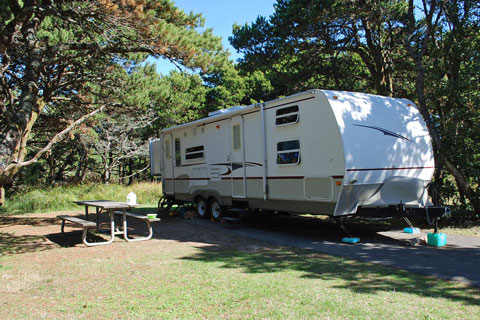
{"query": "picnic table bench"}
{"type": "Point", "coordinates": [112, 208]}
{"type": "Point", "coordinates": [139, 217]}
{"type": "Point", "coordinates": [84, 223]}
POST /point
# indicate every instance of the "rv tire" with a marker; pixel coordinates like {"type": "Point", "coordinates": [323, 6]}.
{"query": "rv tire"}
{"type": "Point", "coordinates": [216, 210]}
{"type": "Point", "coordinates": [202, 207]}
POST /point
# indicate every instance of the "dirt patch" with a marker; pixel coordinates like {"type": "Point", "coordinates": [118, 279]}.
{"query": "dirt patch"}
{"type": "Point", "coordinates": [41, 231]}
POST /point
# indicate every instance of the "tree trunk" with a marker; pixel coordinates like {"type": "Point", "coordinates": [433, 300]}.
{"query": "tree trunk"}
{"type": "Point", "coordinates": [106, 173]}
{"type": "Point", "coordinates": [2, 195]}
{"type": "Point", "coordinates": [378, 61]}
{"type": "Point", "coordinates": [130, 171]}
{"type": "Point", "coordinates": [51, 172]}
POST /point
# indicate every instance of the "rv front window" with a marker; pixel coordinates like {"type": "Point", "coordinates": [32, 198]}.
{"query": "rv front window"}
{"type": "Point", "coordinates": [288, 152]}
{"type": "Point", "coordinates": [194, 153]}
{"type": "Point", "coordinates": [288, 115]}
{"type": "Point", "coordinates": [178, 153]}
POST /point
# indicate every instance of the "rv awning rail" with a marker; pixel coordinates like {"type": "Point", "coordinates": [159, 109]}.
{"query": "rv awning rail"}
{"type": "Point", "coordinates": [237, 110]}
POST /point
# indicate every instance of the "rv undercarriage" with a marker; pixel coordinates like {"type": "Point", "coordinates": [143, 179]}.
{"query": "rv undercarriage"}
{"type": "Point", "coordinates": [211, 207]}
{"type": "Point", "coordinates": [431, 213]}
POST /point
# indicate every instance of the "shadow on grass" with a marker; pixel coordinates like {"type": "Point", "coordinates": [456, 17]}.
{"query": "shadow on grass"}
{"type": "Point", "coordinates": [9, 221]}
{"type": "Point", "coordinates": [347, 274]}
{"type": "Point", "coordinates": [235, 251]}
{"type": "Point", "coordinates": [11, 244]}
{"type": "Point", "coordinates": [73, 238]}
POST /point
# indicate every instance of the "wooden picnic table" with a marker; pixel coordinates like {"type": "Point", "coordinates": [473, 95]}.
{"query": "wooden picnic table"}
{"type": "Point", "coordinates": [109, 207]}
{"type": "Point", "coordinates": [112, 208]}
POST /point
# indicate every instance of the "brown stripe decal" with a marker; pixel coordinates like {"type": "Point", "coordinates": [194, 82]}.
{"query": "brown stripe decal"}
{"type": "Point", "coordinates": [271, 178]}
{"type": "Point", "coordinates": [193, 164]}
{"type": "Point", "coordinates": [253, 178]}
{"type": "Point", "coordinates": [384, 169]}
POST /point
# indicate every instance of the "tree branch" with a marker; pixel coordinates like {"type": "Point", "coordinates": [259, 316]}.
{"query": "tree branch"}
{"type": "Point", "coordinates": [137, 172]}
{"type": "Point", "coordinates": [57, 138]}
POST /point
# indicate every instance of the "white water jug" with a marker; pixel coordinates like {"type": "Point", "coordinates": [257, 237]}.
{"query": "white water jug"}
{"type": "Point", "coordinates": [132, 198]}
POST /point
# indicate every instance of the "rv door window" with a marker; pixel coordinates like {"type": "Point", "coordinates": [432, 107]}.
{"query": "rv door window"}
{"type": "Point", "coordinates": [194, 153]}
{"type": "Point", "coordinates": [288, 115]}
{"type": "Point", "coordinates": [288, 152]}
{"type": "Point", "coordinates": [168, 153]}
{"type": "Point", "coordinates": [237, 142]}
{"type": "Point", "coordinates": [178, 153]}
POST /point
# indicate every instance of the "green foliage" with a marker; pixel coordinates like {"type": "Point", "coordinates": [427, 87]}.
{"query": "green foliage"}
{"type": "Point", "coordinates": [178, 98]}
{"type": "Point", "coordinates": [258, 86]}
{"type": "Point", "coordinates": [226, 87]}
{"type": "Point", "coordinates": [317, 43]}
{"type": "Point", "coordinates": [62, 62]}
{"type": "Point", "coordinates": [36, 199]}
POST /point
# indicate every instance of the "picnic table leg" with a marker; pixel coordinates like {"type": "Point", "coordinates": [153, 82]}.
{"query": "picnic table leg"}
{"type": "Point", "coordinates": [124, 217]}
{"type": "Point", "coordinates": [112, 234]}
{"type": "Point", "coordinates": [125, 232]}
{"type": "Point", "coordinates": [86, 211]}
{"type": "Point", "coordinates": [97, 220]}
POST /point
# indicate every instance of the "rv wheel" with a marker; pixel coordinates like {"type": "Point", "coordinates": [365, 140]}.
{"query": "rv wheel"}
{"type": "Point", "coordinates": [215, 210]}
{"type": "Point", "coordinates": [202, 208]}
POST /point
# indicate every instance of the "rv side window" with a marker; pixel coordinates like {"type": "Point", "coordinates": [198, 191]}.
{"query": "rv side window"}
{"type": "Point", "coordinates": [194, 153]}
{"type": "Point", "coordinates": [288, 115]}
{"type": "Point", "coordinates": [237, 144]}
{"type": "Point", "coordinates": [178, 153]}
{"type": "Point", "coordinates": [288, 152]}
{"type": "Point", "coordinates": [168, 153]}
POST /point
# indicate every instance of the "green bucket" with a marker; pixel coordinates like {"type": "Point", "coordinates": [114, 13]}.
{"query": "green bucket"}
{"type": "Point", "coordinates": [437, 239]}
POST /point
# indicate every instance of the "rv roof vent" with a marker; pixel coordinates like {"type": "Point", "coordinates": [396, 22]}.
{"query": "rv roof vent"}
{"type": "Point", "coordinates": [225, 111]}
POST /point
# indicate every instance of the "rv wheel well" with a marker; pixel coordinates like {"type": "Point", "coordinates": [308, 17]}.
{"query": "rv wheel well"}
{"type": "Point", "coordinates": [213, 197]}
{"type": "Point", "coordinates": [197, 198]}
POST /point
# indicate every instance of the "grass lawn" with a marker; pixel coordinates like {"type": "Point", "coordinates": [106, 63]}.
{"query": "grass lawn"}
{"type": "Point", "coordinates": [467, 231]}
{"type": "Point", "coordinates": [46, 199]}
{"type": "Point", "coordinates": [192, 273]}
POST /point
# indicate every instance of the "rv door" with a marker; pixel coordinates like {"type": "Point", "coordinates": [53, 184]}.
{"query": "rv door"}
{"type": "Point", "coordinates": [237, 158]}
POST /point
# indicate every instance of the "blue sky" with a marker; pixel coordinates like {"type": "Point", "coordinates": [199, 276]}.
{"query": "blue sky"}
{"type": "Point", "coordinates": [221, 15]}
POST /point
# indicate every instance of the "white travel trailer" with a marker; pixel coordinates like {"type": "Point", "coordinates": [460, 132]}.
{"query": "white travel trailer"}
{"type": "Point", "coordinates": [320, 152]}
